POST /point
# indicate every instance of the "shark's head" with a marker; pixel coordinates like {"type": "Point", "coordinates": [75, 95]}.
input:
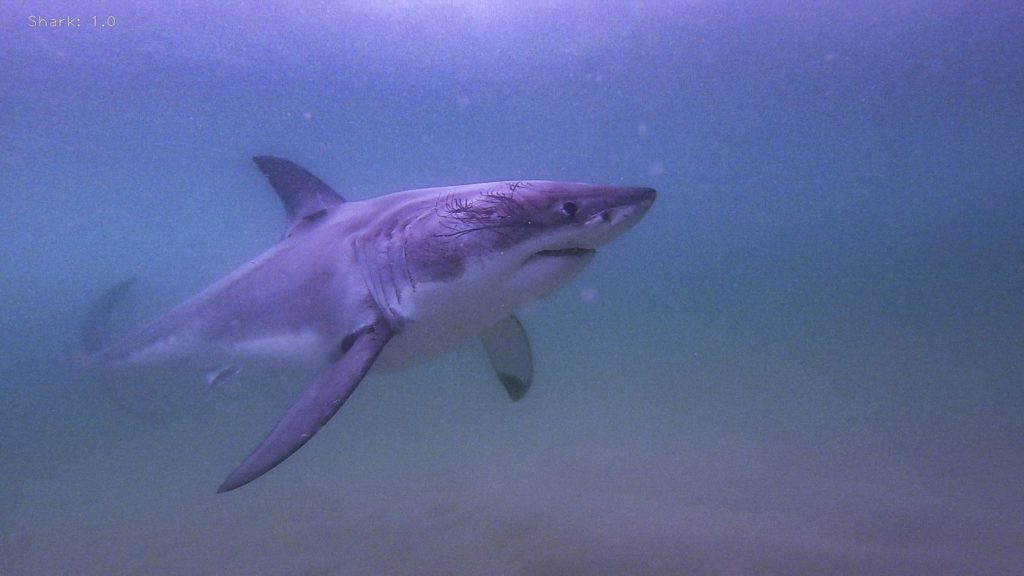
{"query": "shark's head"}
{"type": "Point", "coordinates": [531, 235]}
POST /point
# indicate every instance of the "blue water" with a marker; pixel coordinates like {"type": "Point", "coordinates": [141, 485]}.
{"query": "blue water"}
{"type": "Point", "coordinates": [807, 359]}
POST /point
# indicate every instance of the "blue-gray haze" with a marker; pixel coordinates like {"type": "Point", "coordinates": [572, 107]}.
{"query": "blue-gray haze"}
{"type": "Point", "coordinates": [807, 359]}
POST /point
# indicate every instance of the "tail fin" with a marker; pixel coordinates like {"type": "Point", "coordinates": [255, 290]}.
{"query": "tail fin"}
{"type": "Point", "coordinates": [97, 319]}
{"type": "Point", "coordinates": [95, 333]}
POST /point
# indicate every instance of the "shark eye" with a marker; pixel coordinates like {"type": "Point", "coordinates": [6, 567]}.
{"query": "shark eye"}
{"type": "Point", "coordinates": [570, 209]}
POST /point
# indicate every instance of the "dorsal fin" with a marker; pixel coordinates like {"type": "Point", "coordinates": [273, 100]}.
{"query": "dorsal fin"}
{"type": "Point", "coordinates": [305, 197]}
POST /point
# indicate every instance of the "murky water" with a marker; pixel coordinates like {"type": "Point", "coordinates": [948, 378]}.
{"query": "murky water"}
{"type": "Point", "coordinates": [807, 359]}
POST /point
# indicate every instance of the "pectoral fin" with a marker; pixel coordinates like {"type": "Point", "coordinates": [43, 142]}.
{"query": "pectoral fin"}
{"type": "Point", "coordinates": [508, 349]}
{"type": "Point", "coordinates": [317, 404]}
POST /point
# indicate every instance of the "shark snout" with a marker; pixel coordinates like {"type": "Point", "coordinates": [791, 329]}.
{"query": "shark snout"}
{"type": "Point", "coordinates": [647, 196]}
{"type": "Point", "coordinates": [630, 203]}
{"type": "Point", "coordinates": [623, 208]}
{"type": "Point", "coordinates": [641, 198]}
{"type": "Point", "coordinates": [631, 199]}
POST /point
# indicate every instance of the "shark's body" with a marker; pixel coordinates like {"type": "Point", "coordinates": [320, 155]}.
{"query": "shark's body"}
{"type": "Point", "coordinates": [391, 281]}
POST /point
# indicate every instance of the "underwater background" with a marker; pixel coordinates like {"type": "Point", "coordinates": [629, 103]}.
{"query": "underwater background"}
{"type": "Point", "coordinates": [807, 359]}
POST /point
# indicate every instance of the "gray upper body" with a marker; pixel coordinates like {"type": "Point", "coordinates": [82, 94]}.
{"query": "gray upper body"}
{"type": "Point", "coordinates": [390, 281]}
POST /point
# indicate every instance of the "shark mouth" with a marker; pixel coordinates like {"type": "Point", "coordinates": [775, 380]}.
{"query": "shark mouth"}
{"type": "Point", "coordinates": [567, 252]}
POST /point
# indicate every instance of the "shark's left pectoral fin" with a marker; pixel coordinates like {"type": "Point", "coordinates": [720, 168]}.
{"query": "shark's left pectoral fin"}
{"type": "Point", "coordinates": [317, 404]}
{"type": "Point", "coordinates": [508, 350]}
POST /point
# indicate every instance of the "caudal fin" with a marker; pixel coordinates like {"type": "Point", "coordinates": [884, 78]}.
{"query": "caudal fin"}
{"type": "Point", "coordinates": [97, 319]}
{"type": "Point", "coordinates": [95, 336]}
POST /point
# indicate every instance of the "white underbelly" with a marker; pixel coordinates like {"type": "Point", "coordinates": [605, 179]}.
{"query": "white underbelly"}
{"type": "Point", "coordinates": [441, 317]}
{"type": "Point", "coordinates": [300, 348]}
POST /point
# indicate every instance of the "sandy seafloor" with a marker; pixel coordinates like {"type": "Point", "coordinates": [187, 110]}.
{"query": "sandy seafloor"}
{"type": "Point", "coordinates": [807, 359]}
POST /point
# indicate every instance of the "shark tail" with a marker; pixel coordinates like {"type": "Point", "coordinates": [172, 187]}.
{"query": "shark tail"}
{"type": "Point", "coordinates": [97, 319]}
{"type": "Point", "coordinates": [95, 335]}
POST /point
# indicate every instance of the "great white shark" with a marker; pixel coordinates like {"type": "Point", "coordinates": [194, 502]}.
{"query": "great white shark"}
{"type": "Point", "coordinates": [389, 282]}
